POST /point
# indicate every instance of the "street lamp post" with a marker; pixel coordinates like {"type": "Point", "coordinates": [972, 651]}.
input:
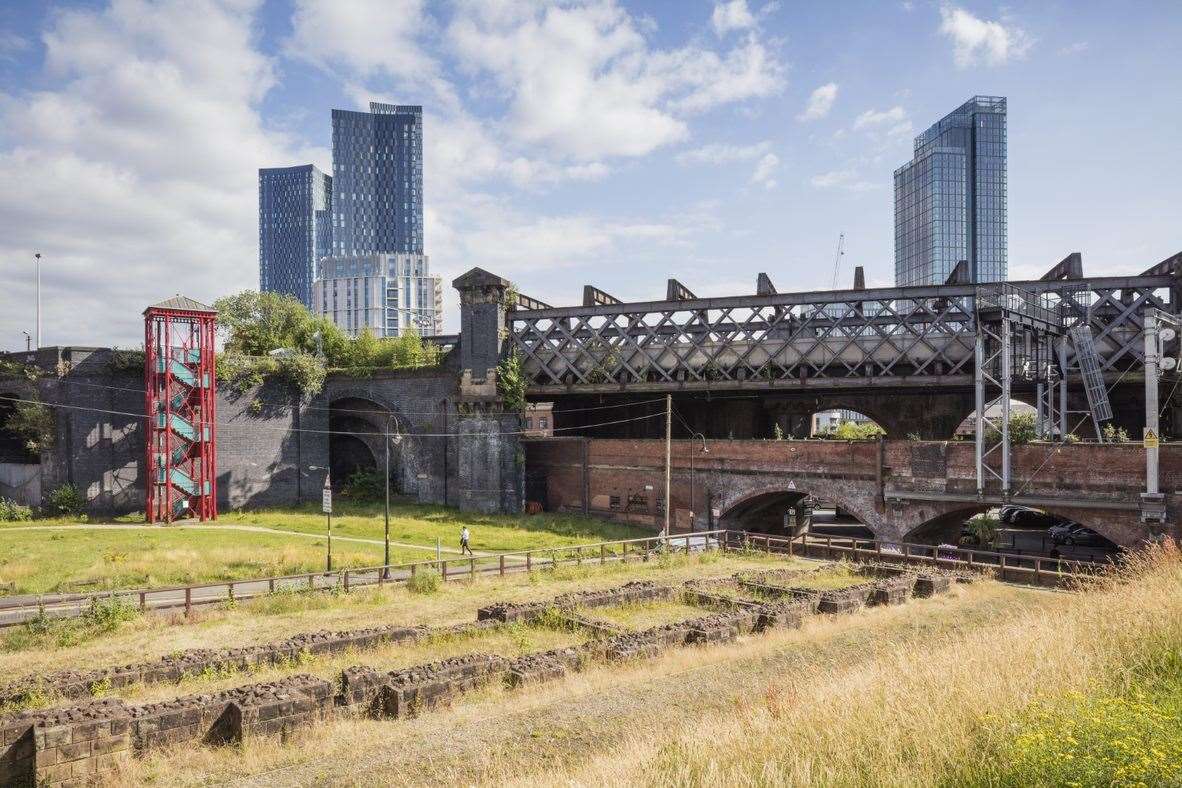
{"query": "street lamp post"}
{"type": "Point", "coordinates": [397, 438]}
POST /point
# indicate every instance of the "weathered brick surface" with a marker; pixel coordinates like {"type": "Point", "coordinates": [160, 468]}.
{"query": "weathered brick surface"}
{"type": "Point", "coordinates": [544, 666]}
{"type": "Point", "coordinates": [79, 745]}
{"type": "Point", "coordinates": [412, 690]}
{"type": "Point", "coordinates": [892, 590]}
{"type": "Point", "coordinates": [929, 584]}
{"type": "Point", "coordinates": [222, 717]}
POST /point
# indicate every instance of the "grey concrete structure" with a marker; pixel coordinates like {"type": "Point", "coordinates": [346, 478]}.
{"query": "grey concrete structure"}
{"type": "Point", "coordinates": [451, 441]}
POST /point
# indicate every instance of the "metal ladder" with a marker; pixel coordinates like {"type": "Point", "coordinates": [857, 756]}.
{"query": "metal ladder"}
{"type": "Point", "coordinates": [1093, 378]}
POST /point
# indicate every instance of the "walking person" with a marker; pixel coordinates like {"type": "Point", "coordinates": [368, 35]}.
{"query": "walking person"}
{"type": "Point", "coordinates": [464, 535]}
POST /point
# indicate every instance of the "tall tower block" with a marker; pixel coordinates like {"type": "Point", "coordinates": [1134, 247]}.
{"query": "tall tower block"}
{"type": "Point", "coordinates": [180, 401]}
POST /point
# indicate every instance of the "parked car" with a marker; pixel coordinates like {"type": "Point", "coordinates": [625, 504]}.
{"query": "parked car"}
{"type": "Point", "coordinates": [1033, 518]}
{"type": "Point", "coordinates": [1069, 533]}
{"type": "Point", "coordinates": [1006, 514]}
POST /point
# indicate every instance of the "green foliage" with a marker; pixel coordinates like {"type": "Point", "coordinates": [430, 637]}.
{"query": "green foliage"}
{"type": "Point", "coordinates": [64, 501]}
{"type": "Point", "coordinates": [126, 360]}
{"type": "Point", "coordinates": [778, 432]}
{"type": "Point", "coordinates": [1128, 738]}
{"type": "Point", "coordinates": [13, 512]}
{"type": "Point", "coordinates": [1114, 434]}
{"type": "Point", "coordinates": [15, 369]}
{"type": "Point", "coordinates": [303, 371]}
{"type": "Point", "coordinates": [1071, 437]}
{"type": "Point", "coordinates": [511, 382]}
{"type": "Point", "coordinates": [424, 582]}
{"type": "Point", "coordinates": [103, 616]}
{"type": "Point", "coordinates": [852, 431]}
{"type": "Point", "coordinates": [364, 484]}
{"type": "Point", "coordinates": [33, 422]}
{"type": "Point", "coordinates": [914, 436]}
{"type": "Point", "coordinates": [1022, 430]}
{"type": "Point", "coordinates": [983, 528]}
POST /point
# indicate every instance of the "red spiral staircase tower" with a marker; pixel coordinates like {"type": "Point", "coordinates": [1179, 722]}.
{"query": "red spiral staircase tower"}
{"type": "Point", "coordinates": [180, 402]}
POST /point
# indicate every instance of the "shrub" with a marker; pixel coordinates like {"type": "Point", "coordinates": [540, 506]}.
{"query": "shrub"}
{"type": "Point", "coordinates": [427, 582]}
{"type": "Point", "coordinates": [511, 382]}
{"type": "Point", "coordinates": [33, 422]}
{"type": "Point", "coordinates": [1114, 434]}
{"type": "Point", "coordinates": [364, 484]}
{"type": "Point", "coordinates": [65, 500]}
{"type": "Point", "coordinates": [12, 512]}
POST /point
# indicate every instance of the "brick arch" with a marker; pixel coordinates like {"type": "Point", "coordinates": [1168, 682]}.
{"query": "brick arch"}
{"type": "Point", "coordinates": [358, 411]}
{"type": "Point", "coordinates": [849, 501]}
{"type": "Point", "coordinates": [1118, 527]}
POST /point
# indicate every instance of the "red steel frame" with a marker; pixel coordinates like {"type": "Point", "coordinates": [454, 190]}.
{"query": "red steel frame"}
{"type": "Point", "coordinates": [171, 335]}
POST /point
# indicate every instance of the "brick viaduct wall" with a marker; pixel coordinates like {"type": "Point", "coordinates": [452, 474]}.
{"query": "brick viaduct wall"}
{"type": "Point", "coordinates": [601, 476]}
{"type": "Point", "coordinates": [268, 437]}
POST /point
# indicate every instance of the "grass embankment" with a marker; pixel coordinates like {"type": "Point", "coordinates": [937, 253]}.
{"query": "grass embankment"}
{"type": "Point", "coordinates": [116, 637]}
{"type": "Point", "coordinates": [423, 524]}
{"type": "Point", "coordinates": [990, 684]}
{"type": "Point", "coordinates": [34, 562]}
{"type": "Point", "coordinates": [72, 557]}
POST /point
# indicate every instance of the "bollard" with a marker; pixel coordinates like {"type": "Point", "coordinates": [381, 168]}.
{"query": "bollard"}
{"type": "Point", "coordinates": [188, 602]}
{"type": "Point", "coordinates": [502, 563]}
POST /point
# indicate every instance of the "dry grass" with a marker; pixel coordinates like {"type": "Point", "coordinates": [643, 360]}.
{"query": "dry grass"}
{"type": "Point", "coordinates": [274, 618]}
{"type": "Point", "coordinates": [901, 696]}
{"type": "Point", "coordinates": [642, 615]}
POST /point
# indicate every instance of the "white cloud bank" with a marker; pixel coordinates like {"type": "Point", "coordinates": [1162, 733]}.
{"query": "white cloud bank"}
{"type": "Point", "coordinates": [820, 103]}
{"type": "Point", "coordinates": [978, 41]}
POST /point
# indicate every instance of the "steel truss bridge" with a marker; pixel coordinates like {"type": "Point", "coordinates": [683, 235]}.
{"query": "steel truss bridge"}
{"type": "Point", "coordinates": [916, 337]}
{"type": "Point", "coordinates": [990, 337]}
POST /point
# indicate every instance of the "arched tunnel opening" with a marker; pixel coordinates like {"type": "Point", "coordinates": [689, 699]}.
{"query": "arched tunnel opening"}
{"type": "Point", "coordinates": [357, 443]}
{"type": "Point", "coordinates": [793, 512]}
{"type": "Point", "coordinates": [1019, 530]}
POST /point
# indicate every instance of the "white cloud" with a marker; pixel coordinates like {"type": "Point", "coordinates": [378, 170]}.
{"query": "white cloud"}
{"type": "Point", "coordinates": [977, 40]}
{"type": "Point", "coordinates": [582, 80]}
{"type": "Point", "coordinates": [820, 102]}
{"type": "Point", "coordinates": [848, 180]}
{"type": "Point", "coordinates": [1074, 48]}
{"type": "Point", "coordinates": [137, 164]}
{"type": "Point", "coordinates": [731, 15]}
{"type": "Point", "coordinates": [889, 123]}
{"type": "Point", "coordinates": [765, 169]}
{"type": "Point", "coordinates": [723, 154]}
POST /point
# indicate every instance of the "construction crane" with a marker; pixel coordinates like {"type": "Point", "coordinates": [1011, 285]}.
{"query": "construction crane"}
{"type": "Point", "coordinates": [837, 259]}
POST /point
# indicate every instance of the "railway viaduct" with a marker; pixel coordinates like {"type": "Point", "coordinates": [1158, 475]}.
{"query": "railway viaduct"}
{"type": "Point", "coordinates": [920, 491]}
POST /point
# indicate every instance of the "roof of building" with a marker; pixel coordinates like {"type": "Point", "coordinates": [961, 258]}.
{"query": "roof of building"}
{"type": "Point", "coordinates": [183, 304]}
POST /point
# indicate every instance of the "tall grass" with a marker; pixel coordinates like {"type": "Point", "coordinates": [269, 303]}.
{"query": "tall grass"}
{"type": "Point", "coordinates": [938, 712]}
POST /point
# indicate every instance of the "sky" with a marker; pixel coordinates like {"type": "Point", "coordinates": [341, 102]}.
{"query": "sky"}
{"type": "Point", "coordinates": [607, 142]}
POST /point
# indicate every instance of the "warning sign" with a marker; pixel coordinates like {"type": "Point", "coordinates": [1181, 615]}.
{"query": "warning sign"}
{"type": "Point", "coordinates": [791, 485]}
{"type": "Point", "coordinates": [1150, 440]}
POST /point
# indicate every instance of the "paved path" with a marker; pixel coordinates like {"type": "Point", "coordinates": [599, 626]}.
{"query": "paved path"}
{"type": "Point", "coordinates": [15, 609]}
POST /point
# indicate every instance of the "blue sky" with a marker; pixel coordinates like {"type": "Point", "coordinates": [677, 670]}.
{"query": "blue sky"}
{"type": "Point", "coordinates": [607, 142]}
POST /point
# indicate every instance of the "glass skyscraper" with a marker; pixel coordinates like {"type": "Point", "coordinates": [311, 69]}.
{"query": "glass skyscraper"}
{"type": "Point", "coordinates": [295, 228]}
{"type": "Point", "coordinates": [950, 199]}
{"type": "Point", "coordinates": [377, 160]}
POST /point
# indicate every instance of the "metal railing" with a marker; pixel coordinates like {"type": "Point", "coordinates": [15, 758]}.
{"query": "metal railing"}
{"type": "Point", "coordinates": [1011, 568]}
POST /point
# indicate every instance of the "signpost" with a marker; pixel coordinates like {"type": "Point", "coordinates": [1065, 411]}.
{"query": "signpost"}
{"type": "Point", "coordinates": [326, 505]}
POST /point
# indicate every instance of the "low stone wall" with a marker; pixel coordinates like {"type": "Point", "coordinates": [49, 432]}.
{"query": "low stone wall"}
{"type": "Point", "coordinates": [230, 716]}
{"type": "Point", "coordinates": [893, 590]}
{"type": "Point", "coordinates": [401, 693]}
{"type": "Point", "coordinates": [83, 745]}
{"type": "Point", "coordinates": [545, 666]}
{"type": "Point", "coordinates": [172, 668]}
{"type": "Point", "coordinates": [635, 591]}
{"type": "Point", "coordinates": [67, 747]}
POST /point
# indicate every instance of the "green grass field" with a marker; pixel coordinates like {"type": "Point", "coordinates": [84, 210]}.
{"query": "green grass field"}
{"type": "Point", "coordinates": [78, 558]}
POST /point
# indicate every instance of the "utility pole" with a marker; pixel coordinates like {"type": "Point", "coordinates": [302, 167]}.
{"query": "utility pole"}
{"type": "Point", "coordinates": [37, 258]}
{"type": "Point", "coordinates": [668, 456]}
{"type": "Point", "coordinates": [386, 562]}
